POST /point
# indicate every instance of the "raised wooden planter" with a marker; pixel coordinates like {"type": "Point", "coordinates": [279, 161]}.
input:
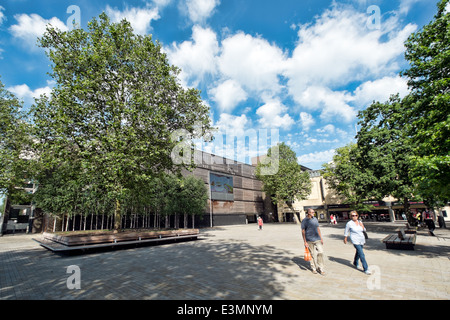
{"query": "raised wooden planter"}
{"type": "Point", "coordinates": [77, 239]}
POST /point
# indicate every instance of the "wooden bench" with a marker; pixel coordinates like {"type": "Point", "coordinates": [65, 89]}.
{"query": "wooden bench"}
{"type": "Point", "coordinates": [174, 236]}
{"type": "Point", "coordinates": [400, 241]}
{"type": "Point", "coordinates": [409, 229]}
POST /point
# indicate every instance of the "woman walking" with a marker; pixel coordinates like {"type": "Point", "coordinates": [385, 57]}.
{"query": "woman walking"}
{"type": "Point", "coordinates": [355, 229]}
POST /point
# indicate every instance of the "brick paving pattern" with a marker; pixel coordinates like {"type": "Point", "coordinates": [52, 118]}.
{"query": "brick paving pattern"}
{"type": "Point", "coordinates": [233, 262]}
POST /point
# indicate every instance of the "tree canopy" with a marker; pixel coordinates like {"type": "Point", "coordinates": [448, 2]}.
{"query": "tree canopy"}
{"type": "Point", "coordinates": [290, 182]}
{"type": "Point", "coordinates": [107, 125]}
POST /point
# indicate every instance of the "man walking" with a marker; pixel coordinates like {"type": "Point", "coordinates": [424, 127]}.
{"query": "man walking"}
{"type": "Point", "coordinates": [312, 237]}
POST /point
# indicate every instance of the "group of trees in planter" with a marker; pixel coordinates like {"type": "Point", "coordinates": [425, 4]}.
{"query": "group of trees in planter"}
{"type": "Point", "coordinates": [402, 147]}
{"type": "Point", "coordinates": [102, 141]}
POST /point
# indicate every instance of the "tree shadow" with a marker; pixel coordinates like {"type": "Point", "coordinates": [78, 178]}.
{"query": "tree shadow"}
{"type": "Point", "coordinates": [184, 271]}
{"type": "Point", "coordinates": [378, 230]}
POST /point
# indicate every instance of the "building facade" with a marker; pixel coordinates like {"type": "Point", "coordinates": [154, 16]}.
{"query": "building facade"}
{"type": "Point", "coordinates": [325, 203]}
{"type": "Point", "coordinates": [235, 195]}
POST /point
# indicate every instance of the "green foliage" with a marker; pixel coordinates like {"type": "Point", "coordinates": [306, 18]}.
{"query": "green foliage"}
{"type": "Point", "coordinates": [350, 182]}
{"type": "Point", "coordinates": [106, 128]}
{"type": "Point", "coordinates": [290, 182]}
{"type": "Point", "coordinates": [403, 144]}
{"type": "Point", "coordinates": [385, 149]}
{"type": "Point", "coordinates": [15, 147]}
{"type": "Point", "coordinates": [428, 52]}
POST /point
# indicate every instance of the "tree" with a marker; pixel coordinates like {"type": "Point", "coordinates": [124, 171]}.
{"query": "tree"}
{"type": "Point", "coordinates": [15, 151]}
{"type": "Point", "coordinates": [195, 198]}
{"type": "Point", "coordinates": [290, 183]}
{"type": "Point", "coordinates": [113, 109]}
{"type": "Point", "coordinates": [385, 148]}
{"type": "Point", "coordinates": [349, 181]}
{"type": "Point", "coordinates": [428, 53]}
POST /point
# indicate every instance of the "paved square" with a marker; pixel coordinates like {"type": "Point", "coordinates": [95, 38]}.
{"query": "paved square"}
{"type": "Point", "coordinates": [233, 262]}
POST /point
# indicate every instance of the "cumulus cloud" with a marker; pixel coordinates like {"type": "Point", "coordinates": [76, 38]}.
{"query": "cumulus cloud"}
{"type": "Point", "coordinates": [380, 90]}
{"type": "Point", "coordinates": [200, 10]}
{"type": "Point", "coordinates": [336, 50]}
{"type": "Point", "coordinates": [27, 95]}
{"type": "Point", "coordinates": [139, 18]}
{"type": "Point", "coordinates": [272, 115]}
{"type": "Point", "coordinates": [333, 104]}
{"type": "Point", "coordinates": [196, 57]}
{"type": "Point", "coordinates": [316, 159]}
{"type": "Point", "coordinates": [30, 27]}
{"type": "Point", "coordinates": [228, 95]}
{"type": "Point", "coordinates": [252, 61]}
{"type": "Point", "coordinates": [333, 51]}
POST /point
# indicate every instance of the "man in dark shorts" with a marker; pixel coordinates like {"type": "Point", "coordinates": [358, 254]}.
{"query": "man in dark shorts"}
{"type": "Point", "coordinates": [312, 238]}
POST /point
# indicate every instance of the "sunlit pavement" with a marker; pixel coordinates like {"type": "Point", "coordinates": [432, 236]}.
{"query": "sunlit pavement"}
{"type": "Point", "coordinates": [233, 262]}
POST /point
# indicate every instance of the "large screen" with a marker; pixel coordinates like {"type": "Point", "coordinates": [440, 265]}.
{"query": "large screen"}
{"type": "Point", "coordinates": [221, 187]}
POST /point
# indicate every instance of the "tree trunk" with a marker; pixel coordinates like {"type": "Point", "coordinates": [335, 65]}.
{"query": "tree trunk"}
{"type": "Point", "coordinates": [408, 212]}
{"type": "Point", "coordinates": [117, 217]}
{"type": "Point", "coordinates": [296, 219]}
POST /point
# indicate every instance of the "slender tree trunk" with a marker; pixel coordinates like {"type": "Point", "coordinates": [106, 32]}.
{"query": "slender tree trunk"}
{"type": "Point", "coordinates": [117, 217]}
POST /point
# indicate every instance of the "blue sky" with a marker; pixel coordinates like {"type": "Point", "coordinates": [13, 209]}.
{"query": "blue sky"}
{"type": "Point", "coordinates": [300, 69]}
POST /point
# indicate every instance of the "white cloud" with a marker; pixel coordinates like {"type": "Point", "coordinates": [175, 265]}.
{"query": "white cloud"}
{"type": "Point", "coordinates": [30, 27]}
{"type": "Point", "coordinates": [328, 129]}
{"type": "Point", "coordinates": [447, 8]}
{"type": "Point", "coordinates": [253, 62]}
{"type": "Point", "coordinates": [230, 124]}
{"type": "Point", "coordinates": [338, 49]}
{"type": "Point", "coordinates": [200, 10]}
{"type": "Point", "coordinates": [270, 115]}
{"type": "Point", "coordinates": [380, 90]}
{"type": "Point", "coordinates": [162, 3]}
{"type": "Point", "coordinates": [139, 18]}
{"type": "Point", "coordinates": [333, 104]}
{"type": "Point", "coordinates": [196, 58]}
{"type": "Point", "coordinates": [228, 95]}
{"type": "Point", "coordinates": [23, 92]}
{"type": "Point", "coordinates": [306, 121]}
{"type": "Point", "coordinates": [405, 5]}
{"type": "Point", "coordinates": [316, 159]}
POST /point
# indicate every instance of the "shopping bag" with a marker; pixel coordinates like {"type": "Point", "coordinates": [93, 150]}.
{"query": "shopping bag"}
{"type": "Point", "coordinates": [307, 255]}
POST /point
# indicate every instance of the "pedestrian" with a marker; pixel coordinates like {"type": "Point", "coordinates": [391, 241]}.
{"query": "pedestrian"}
{"type": "Point", "coordinates": [312, 238]}
{"type": "Point", "coordinates": [355, 229]}
{"type": "Point", "coordinates": [333, 219]}
{"type": "Point", "coordinates": [260, 223]}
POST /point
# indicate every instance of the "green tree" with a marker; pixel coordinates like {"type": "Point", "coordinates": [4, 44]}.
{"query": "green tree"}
{"type": "Point", "coordinates": [385, 149]}
{"type": "Point", "coordinates": [194, 198]}
{"type": "Point", "coordinates": [115, 104]}
{"type": "Point", "coordinates": [428, 53]}
{"type": "Point", "coordinates": [15, 143]}
{"type": "Point", "coordinates": [290, 183]}
{"type": "Point", "coordinates": [348, 180]}
{"type": "Point", "coordinates": [16, 157]}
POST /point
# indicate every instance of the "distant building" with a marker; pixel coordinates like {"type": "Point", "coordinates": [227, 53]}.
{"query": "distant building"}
{"type": "Point", "coordinates": [325, 203]}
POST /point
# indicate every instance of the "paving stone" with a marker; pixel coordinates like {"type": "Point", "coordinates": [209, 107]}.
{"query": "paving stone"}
{"type": "Point", "coordinates": [233, 262]}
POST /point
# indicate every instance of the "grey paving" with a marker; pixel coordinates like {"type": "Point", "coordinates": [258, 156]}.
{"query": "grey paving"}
{"type": "Point", "coordinates": [234, 262]}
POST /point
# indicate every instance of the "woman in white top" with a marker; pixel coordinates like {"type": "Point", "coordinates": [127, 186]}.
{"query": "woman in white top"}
{"type": "Point", "coordinates": [355, 229]}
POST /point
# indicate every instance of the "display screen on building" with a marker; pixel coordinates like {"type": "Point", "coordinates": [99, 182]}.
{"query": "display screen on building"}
{"type": "Point", "coordinates": [221, 187]}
